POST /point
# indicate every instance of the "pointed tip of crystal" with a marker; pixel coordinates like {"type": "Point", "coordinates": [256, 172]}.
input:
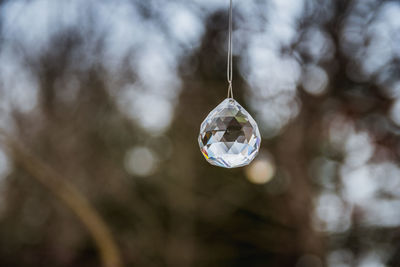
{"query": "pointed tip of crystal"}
{"type": "Point", "coordinates": [229, 136]}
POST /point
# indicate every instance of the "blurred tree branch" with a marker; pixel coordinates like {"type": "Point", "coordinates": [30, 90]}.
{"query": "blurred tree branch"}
{"type": "Point", "coordinates": [68, 194]}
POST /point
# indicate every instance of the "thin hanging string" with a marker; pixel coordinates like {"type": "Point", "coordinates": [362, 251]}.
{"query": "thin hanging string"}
{"type": "Point", "coordinates": [230, 57]}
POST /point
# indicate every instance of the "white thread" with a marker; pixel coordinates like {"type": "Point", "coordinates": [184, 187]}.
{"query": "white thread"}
{"type": "Point", "coordinates": [229, 68]}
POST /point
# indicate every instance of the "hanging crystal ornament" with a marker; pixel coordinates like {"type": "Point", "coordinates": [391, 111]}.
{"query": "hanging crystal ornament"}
{"type": "Point", "coordinates": [229, 136]}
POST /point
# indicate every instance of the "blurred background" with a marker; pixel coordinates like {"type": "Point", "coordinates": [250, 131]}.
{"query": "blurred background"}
{"type": "Point", "coordinates": [100, 108]}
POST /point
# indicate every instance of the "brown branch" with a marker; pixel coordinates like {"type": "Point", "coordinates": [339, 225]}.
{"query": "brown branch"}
{"type": "Point", "coordinates": [70, 196]}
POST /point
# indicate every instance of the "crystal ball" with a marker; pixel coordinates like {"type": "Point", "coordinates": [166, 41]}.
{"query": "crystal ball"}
{"type": "Point", "coordinates": [229, 136]}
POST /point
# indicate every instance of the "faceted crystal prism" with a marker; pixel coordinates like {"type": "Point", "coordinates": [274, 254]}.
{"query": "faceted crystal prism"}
{"type": "Point", "coordinates": [229, 136]}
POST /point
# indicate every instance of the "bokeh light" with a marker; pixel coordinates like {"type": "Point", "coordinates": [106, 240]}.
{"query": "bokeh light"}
{"type": "Point", "coordinates": [260, 171]}
{"type": "Point", "coordinates": [140, 161]}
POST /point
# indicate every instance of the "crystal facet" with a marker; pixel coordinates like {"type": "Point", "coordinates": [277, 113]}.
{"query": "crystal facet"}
{"type": "Point", "coordinates": [229, 136]}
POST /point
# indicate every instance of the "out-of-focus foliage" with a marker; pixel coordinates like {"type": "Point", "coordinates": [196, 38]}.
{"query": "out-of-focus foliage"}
{"type": "Point", "coordinates": [110, 94]}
